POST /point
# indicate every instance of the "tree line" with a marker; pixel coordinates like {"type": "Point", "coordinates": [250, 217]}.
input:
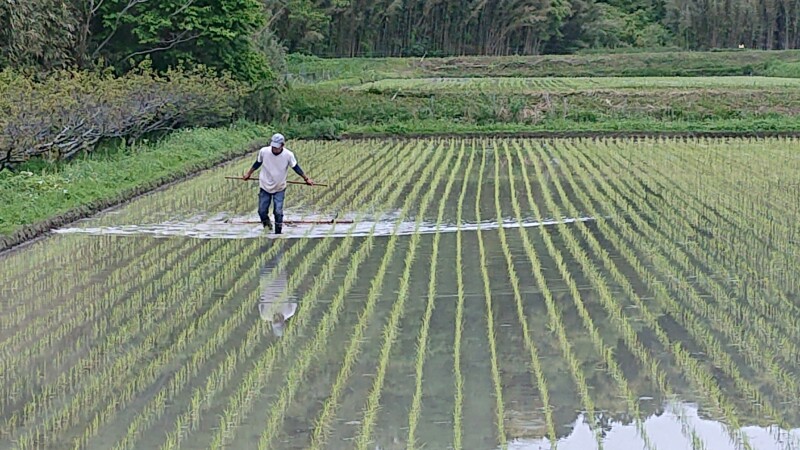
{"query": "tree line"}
{"type": "Point", "coordinates": [499, 27]}
{"type": "Point", "coordinates": [248, 38]}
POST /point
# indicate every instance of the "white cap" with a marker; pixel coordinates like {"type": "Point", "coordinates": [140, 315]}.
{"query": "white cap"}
{"type": "Point", "coordinates": [277, 140]}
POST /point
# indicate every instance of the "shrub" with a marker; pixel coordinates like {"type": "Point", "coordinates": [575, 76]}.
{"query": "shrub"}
{"type": "Point", "coordinates": [67, 112]}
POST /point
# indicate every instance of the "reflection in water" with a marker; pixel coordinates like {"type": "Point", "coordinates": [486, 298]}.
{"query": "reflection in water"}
{"type": "Point", "coordinates": [276, 305]}
{"type": "Point", "coordinates": [670, 430]}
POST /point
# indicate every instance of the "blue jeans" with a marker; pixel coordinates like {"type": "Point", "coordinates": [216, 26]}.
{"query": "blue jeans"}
{"type": "Point", "coordinates": [264, 199]}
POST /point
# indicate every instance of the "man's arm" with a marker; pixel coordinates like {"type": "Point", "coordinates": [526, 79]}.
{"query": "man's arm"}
{"type": "Point", "coordinates": [255, 167]}
{"type": "Point", "coordinates": [296, 167]}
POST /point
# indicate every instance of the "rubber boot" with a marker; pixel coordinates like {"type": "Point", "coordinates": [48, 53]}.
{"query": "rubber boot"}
{"type": "Point", "coordinates": [278, 223]}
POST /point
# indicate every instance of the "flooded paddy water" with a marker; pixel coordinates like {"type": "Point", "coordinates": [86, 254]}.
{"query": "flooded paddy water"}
{"type": "Point", "coordinates": [474, 294]}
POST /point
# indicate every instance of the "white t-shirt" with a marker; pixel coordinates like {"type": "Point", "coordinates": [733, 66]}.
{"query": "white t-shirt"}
{"type": "Point", "coordinates": [274, 168]}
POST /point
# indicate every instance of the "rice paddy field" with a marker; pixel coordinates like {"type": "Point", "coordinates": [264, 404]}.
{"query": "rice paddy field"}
{"type": "Point", "coordinates": [522, 85]}
{"type": "Point", "coordinates": [470, 294]}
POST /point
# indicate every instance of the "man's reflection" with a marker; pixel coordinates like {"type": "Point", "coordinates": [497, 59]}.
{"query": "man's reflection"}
{"type": "Point", "coordinates": [276, 304]}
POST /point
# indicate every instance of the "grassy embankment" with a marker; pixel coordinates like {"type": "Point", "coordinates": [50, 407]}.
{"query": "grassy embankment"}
{"type": "Point", "coordinates": [332, 98]}
{"type": "Point", "coordinates": [40, 196]}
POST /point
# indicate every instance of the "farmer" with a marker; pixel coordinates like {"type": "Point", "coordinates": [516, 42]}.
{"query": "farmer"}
{"type": "Point", "coordinates": [274, 162]}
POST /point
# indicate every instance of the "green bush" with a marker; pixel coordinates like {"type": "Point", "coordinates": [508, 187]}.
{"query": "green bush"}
{"type": "Point", "coordinates": [68, 112]}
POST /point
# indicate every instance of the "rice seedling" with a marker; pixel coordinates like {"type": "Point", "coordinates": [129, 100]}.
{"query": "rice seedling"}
{"type": "Point", "coordinates": [487, 292]}
{"type": "Point", "coordinates": [530, 345]}
{"type": "Point", "coordinates": [422, 340]}
{"type": "Point", "coordinates": [459, 320]}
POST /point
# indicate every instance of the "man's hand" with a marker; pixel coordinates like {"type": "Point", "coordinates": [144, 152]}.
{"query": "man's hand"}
{"type": "Point", "coordinates": [309, 181]}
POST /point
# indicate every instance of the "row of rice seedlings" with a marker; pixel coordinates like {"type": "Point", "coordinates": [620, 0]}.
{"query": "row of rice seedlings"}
{"type": "Point", "coordinates": [692, 368]}
{"type": "Point", "coordinates": [368, 158]}
{"type": "Point", "coordinates": [530, 345]}
{"type": "Point", "coordinates": [35, 355]}
{"type": "Point", "coordinates": [758, 355]}
{"type": "Point", "coordinates": [40, 334]}
{"type": "Point", "coordinates": [66, 282]}
{"type": "Point", "coordinates": [422, 339]}
{"type": "Point", "coordinates": [609, 303]}
{"type": "Point", "coordinates": [762, 270]}
{"type": "Point", "coordinates": [764, 187]}
{"type": "Point", "coordinates": [66, 309]}
{"type": "Point", "coordinates": [70, 261]}
{"type": "Point", "coordinates": [223, 373]}
{"type": "Point", "coordinates": [241, 401]}
{"type": "Point", "coordinates": [398, 308]}
{"type": "Point", "coordinates": [69, 371]}
{"type": "Point", "coordinates": [759, 299]}
{"type": "Point", "coordinates": [760, 213]}
{"type": "Point", "coordinates": [316, 345]}
{"type": "Point", "coordinates": [154, 409]}
{"type": "Point", "coordinates": [90, 389]}
{"type": "Point", "coordinates": [761, 227]}
{"type": "Point", "coordinates": [458, 377]}
{"type": "Point", "coordinates": [555, 323]}
{"type": "Point", "coordinates": [704, 380]}
{"type": "Point", "coordinates": [188, 422]}
{"type": "Point", "coordinates": [203, 394]}
{"type": "Point", "coordinates": [189, 336]}
{"type": "Point", "coordinates": [657, 376]}
{"type": "Point", "coordinates": [487, 295]}
{"type": "Point", "coordinates": [323, 420]}
{"type": "Point", "coordinates": [774, 255]}
{"type": "Point", "coordinates": [613, 308]}
{"type": "Point", "coordinates": [723, 360]}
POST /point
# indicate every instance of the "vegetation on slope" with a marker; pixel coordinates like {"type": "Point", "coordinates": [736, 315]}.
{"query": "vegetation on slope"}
{"type": "Point", "coordinates": [40, 196]}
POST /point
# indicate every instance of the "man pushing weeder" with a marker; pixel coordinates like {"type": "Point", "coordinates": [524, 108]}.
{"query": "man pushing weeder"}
{"type": "Point", "coordinates": [274, 162]}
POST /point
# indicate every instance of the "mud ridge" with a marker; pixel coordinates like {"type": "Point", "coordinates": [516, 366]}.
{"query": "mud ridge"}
{"type": "Point", "coordinates": [678, 135]}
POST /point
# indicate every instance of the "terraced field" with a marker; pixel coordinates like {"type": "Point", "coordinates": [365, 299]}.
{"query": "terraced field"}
{"type": "Point", "coordinates": [493, 293]}
{"type": "Point", "coordinates": [522, 85]}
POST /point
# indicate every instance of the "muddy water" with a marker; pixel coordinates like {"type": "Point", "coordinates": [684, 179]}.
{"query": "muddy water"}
{"type": "Point", "coordinates": [141, 308]}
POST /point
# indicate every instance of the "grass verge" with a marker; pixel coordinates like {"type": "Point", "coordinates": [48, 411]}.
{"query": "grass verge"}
{"type": "Point", "coordinates": [39, 197]}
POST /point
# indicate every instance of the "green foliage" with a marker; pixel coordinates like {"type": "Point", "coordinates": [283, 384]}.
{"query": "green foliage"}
{"type": "Point", "coordinates": [37, 33]}
{"type": "Point", "coordinates": [215, 34]}
{"type": "Point", "coordinates": [69, 112]}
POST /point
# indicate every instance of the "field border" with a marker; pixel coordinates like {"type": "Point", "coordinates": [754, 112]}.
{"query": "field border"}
{"type": "Point", "coordinates": [570, 134]}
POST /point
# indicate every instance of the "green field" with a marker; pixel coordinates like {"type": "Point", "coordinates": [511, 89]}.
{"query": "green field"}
{"type": "Point", "coordinates": [490, 293]}
{"type": "Point", "coordinates": [521, 85]}
{"type": "Point", "coordinates": [743, 92]}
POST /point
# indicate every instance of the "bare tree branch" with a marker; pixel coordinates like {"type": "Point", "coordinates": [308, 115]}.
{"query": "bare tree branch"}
{"type": "Point", "coordinates": [179, 39]}
{"type": "Point", "coordinates": [131, 4]}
